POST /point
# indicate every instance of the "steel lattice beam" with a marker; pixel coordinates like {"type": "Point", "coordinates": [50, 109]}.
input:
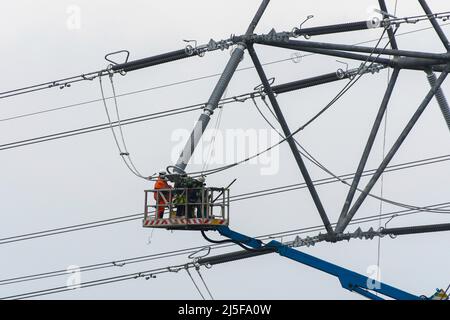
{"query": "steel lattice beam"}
{"type": "Point", "coordinates": [343, 223]}
{"type": "Point", "coordinates": [290, 139]}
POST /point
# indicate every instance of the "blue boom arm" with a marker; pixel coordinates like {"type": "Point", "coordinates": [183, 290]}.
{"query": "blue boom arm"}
{"type": "Point", "coordinates": [349, 280]}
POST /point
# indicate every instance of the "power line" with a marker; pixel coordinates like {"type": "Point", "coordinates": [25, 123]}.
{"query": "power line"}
{"type": "Point", "coordinates": [307, 123]}
{"type": "Point", "coordinates": [311, 158]}
{"type": "Point", "coordinates": [204, 282]}
{"type": "Point", "coordinates": [104, 126]}
{"type": "Point", "coordinates": [78, 227]}
{"type": "Point", "coordinates": [163, 255]}
{"type": "Point", "coordinates": [61, 83]}
{"type": "Point", "coordinates": [195, 284]}
{"type": "Point", "coordinates": [69, 133]}
{"type": "Point", "coordinates": [113, 279]}
{"type": "Point", "coordinates": [147, 117]}
{"type": "Point", "coordinates": [148, 274]}
{"type": "Point", "coordinates": [393, 46]}
{"type": "Point", "coordinates": [99, 266]}
{"type": "Point", "coordinates": [123, 154]}
{"type": "Point", "coordinates": [187, 80]}
{"type": "Point", "coordinates": [315, 117]}
{"type": "Point", "coordinates": [152, 116]}
{"type": "Point", "coordinates": [329, 180]}
{"type": "Point", "coordinates": [238, 197]}
{"type": "Point", "coordinates": [308, 155]}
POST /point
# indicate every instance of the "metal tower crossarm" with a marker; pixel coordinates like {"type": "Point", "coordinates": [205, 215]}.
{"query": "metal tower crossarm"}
{"type": "Point", "coordinates": [290, 139]}
{"type": "Point", "coordinates": [342, 224]}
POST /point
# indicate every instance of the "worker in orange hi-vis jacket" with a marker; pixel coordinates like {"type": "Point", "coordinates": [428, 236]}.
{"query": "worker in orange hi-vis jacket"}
{"type": "Point", "coordinates": [162, 197]}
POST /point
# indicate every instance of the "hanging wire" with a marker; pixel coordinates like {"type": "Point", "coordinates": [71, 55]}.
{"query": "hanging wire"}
{"type": "Point", "coordinates": [312, 159]}
{"type": "Point", "coordinates": [315, 117]}
{"type": "Point", "coordinates": [382, 175]}
{"type": "Point", "coordinates": [317, 163]}
{"type": "Point", "coordinates": [204, 283]}
{"type": "Point", "coordinates": [382, 185]}
{"type": "Point", "coordinates": [352, 81]}
{"type": "Point", "coordinates": [268, 107]}
{"type": "Point", "coordinates": [127, 154]}
{"type": "Point", "coordinates": [336, 98]}
{"type": "Point", "coordinates": [195, 284]}
{"type": "Point", "coordinates": [123, 153]}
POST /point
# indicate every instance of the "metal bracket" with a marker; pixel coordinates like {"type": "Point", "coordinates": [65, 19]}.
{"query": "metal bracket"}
{"type": "Point", "coordinates": [109, 69]}
{"type": "Point", "coordinates": [296, 30]}
{"type": "Point", "coordinates": [115, 53]}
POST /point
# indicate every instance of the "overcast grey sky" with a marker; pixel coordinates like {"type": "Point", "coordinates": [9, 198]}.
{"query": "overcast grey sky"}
{"type": "Point", "coordinates": [82, 179]}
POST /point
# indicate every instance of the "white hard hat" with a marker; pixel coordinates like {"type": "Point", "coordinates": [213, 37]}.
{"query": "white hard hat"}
{"type": "Point", "coordinates": [162, 174]}
{"type": "Point", "coordinates": [201, 179]}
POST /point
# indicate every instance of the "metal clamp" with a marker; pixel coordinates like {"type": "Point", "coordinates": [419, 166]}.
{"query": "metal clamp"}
{"type": "Point", "coordinates": [113, 63]}
{"type": "Point", "coordinates": [260, 87]}
{"type": "Point", "coordinates": [295, 31]}
{"type": "Point", "coordinates": [198, 50]}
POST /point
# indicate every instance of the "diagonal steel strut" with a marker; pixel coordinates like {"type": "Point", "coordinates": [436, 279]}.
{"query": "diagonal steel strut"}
{"type": "Point", "coordinates": [440, 97]}
{"type": "Point", "coordinates": [287, 132]}
{"type": "Point", "coordinates": [402, 62]}
{"type": "Point", "coordinates": [391, 35]}
{"type": "Point", "coordinates": [343, 224]}
{"type": "Point", "coordinates": [435, 24]}
{"type": "Point", "coordinates": [376, 125]}
{"type": "Point", "coordinates": [302, 44]}
{"type": "Point", "coordinates": [369, 144]}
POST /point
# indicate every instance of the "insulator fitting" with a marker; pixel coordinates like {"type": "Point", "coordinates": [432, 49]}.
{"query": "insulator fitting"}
{"type": "Point", "coordinates": [440, 97]}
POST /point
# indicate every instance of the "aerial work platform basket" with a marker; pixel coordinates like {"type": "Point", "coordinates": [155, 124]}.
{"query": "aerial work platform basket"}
{"type": "Point", "coordinates": [186, 208]}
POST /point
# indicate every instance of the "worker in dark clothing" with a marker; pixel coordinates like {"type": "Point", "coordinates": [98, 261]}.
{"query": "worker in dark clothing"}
{"type": "Point", "coordinates": [180, 195]}
{"type": "Point", "coordinates": [190, 192]}
{"type": "Point", "coordinates": [201, 195]}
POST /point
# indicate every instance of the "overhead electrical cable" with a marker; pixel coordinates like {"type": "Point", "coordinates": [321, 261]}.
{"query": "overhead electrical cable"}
{"type": "Point", "coordinates": [312, 159]}
{"type": "Point", "coordinates": [147, 274]}
{"type": "Point", "coordinates": [124, 154]}
{"type": "Point", "coordinates": [195, 284]}
{"type": "Point", "coordinates": [220, 245]}
{"type": "Point", "coordinates": [234, 198]}
{"type": "Point", "coordinates": [307, 123]}
{"type": "Point", "coordinates": [66, 82]}
{"type": "Point", "coordinates": [383, 154]}
{"type": "Point", "coordinates": [189, 80]}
